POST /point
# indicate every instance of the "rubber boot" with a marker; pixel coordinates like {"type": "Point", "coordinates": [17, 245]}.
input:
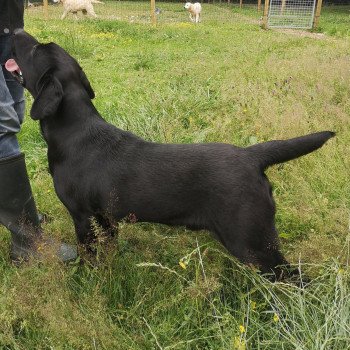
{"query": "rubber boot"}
{"type": "Point", "coordinates": [18, 213]}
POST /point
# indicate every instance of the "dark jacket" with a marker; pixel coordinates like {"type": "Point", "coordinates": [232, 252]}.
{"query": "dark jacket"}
{"type": "Point", "coordinates": [11, 15]}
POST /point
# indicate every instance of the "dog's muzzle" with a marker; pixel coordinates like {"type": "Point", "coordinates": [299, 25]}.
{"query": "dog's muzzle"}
{"type": "Point", "coordinates": [12, 66]}
{"type": "Point", "coordinates": [19, 77]}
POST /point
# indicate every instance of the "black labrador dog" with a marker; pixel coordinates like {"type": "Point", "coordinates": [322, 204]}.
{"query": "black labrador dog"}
{"type": "Point", "coordinates": [108, 174]}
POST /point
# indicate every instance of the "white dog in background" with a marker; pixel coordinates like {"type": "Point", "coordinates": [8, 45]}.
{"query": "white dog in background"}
{"type": "Point", "coordinates": [78, 5]}
{"type": "Point", "coordinates": [194, 10]}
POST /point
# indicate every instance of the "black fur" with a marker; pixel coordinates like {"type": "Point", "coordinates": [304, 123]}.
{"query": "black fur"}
{"type": "Point", "coordinates": [102, 172]}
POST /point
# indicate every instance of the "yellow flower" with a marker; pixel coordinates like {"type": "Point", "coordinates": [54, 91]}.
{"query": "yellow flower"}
{"type": "Point", "coordinates": [241, 329]}
{"type": "Point", "coordinates": [102, 35]}
{"type": "Point", "coordinates": [239, 344]}
{"type": "Point", "coordinates": [253, 305]}
{"type": "Point", "coordinates": [182, 25]}
{"type": "Point", "coordinates": [275, 318]}
{"type": "Point", "coordinates": [341, 271]}
{"type": "Point", "coordinates": [182, 264]}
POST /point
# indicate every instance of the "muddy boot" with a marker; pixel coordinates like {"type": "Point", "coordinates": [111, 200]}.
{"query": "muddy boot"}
{"type": "Point", "coordinates": [18, 213]}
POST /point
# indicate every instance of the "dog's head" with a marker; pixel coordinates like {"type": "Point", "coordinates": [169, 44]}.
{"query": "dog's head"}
{"type": "Point", "coordinates": [46, 70]}
{"type": "Point", "coordinates": [187, 5]}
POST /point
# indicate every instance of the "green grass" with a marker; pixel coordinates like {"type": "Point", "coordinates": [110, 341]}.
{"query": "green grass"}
{"type": "Point", "coordinates": [223, 80]}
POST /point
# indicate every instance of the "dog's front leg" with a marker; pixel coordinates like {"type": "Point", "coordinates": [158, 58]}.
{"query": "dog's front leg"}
{"type": "Point", "coordinates": [109, 228]}
{"type": "Point", "coordinates": [191, 18]}
{"type": "Point", "coordinates": [83, 229]}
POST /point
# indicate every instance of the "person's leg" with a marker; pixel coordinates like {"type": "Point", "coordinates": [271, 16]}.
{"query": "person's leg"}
{"type": "Point", "coordinates": [11, 114]}
{"type": "Point", "coordinates": [17, 93]}
{"type": "Point", "coordinates": [17, 206]}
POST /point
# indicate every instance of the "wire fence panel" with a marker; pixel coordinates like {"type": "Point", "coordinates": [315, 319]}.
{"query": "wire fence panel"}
{"type": "Point", "coordinates": [139, 11]}
{"type": "Point", "coordinates": [169, 11]}
{"type": "Point", "coordinates": [291, 13]}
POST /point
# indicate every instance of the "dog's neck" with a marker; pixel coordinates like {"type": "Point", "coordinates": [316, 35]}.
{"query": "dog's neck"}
{"type": "Point", "coordinates": [75, 108]}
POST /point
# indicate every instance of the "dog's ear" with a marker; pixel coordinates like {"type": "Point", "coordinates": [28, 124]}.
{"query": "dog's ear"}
{"type": "Point", "coordinates": [86, 84]}
{"type": "Point", "coordinates": [49, 97]}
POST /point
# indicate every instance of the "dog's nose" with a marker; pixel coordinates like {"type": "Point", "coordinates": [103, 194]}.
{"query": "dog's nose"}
{"type": "Point", "coordinates": [18, 30]}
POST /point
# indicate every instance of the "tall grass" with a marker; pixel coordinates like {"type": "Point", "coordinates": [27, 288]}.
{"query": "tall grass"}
{"type": "Point", "coordinates": [225, 80]}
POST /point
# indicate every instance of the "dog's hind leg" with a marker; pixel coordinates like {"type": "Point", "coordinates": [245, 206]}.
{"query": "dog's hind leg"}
{"type": "Point", "coordinates": [269, 259]}
{"type": "Point", "coordinates": [272, 262]}
{"type": "Point", "coordinates": [250, 235]}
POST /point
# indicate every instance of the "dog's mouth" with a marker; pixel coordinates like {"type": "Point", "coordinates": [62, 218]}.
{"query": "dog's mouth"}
{"type": "Point", "coordinates": [12, 66]}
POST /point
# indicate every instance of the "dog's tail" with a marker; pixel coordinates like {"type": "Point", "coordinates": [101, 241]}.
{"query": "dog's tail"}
{"type": "Point", "coordinates": [279, 151]}
{"type": "Point", "coordinates": [97, 2]}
